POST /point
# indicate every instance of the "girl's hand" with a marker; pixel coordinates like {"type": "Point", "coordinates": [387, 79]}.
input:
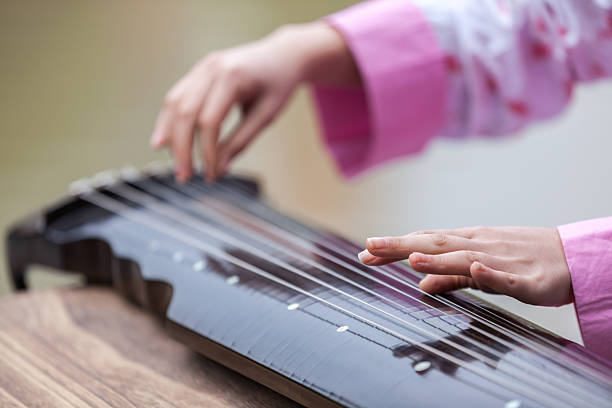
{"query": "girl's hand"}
{"type": "Point", "coordinates": [258, 77]}
{"type": "Point", "coordinates": [523, 262]}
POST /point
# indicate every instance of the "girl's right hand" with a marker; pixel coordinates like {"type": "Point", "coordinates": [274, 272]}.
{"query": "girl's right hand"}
{"type": "Point", "coordinates": [527, 263]}
{"type": "Point", "coordinates": [258, 77]}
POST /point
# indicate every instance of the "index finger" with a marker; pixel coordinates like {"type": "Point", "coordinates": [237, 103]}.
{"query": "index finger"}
{"type": "Point", "coordinates": [162, 133]}
{"type": "Point", "coordinates": [403, 246]}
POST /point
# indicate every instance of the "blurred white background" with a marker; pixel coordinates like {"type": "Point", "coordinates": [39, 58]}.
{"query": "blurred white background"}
{"type": "Point", "coordinates": [82, 82]}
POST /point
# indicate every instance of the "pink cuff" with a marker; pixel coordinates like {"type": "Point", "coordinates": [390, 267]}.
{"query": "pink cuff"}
{"type": "Point", "coordinates": [588, 250]}
{"type": "Point", "coordinates": [401, 104]}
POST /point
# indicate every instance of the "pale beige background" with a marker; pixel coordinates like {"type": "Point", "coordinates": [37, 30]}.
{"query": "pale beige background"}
{"type": "Point", "coordinates": [81, 82]}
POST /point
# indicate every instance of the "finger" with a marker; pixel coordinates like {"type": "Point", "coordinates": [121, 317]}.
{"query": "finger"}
{"type": "Point", "coordinates": [162, 134]}
{"type": "Point", "coordinates": [402, 247]}
{"type": "Point", "coordinates": [181, 150]}
{"type": "Point", "coordinates": [184, 126]}
{"type": "Point", "coordinates": [258, 117]}
{"type": "Point", "coordinates": [453, 263]}
{"type": "Point", "coordinates": [435, 284]}
{"type": "Point", "coordinates": [223, 94]}
{"type": "Point", "coordinates": [500, 282]}
{"type": "Point", "coordinates": [371, 260]}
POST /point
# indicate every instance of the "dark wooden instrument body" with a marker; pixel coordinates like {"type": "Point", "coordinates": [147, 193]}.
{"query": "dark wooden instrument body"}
{"type": "Point", "coordinates": [247, 326]}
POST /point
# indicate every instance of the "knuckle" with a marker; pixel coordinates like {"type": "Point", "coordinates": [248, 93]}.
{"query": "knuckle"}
{"type": "Point", "coordinates": [185, 111]}
{"type": "Point", "coordinates": [213, 59]}
{"type": "Point", "coordinates": [440, 261]}
{"type": "Point", "coordinates": [439, 240]}
{"type": "Point", "coordinates": [538, 278]}
{"type": "Point", "coordinates": [468, 234]}
{"type": "Point", "coordinates": [480, 230]}
{"type": "Point", "coordinates": [171, 100]}
{"type": "Point", "coordinates": [472, 256]}
{"type": "Point", "coordinates": [234, 72]}
{"type": "Point", "coordinates": [395, 242]}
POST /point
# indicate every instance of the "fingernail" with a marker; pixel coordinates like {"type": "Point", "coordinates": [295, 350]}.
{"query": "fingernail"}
{"type": "Point", "coordinates": [363, 255]}
{"type": "Point", "coordinates": [182, 175]}
{"type": "Point", "coordinates": [377, 243]}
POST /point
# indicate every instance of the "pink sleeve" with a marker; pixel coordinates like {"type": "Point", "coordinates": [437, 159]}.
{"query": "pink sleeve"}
{"type": "Point", "coordinates": [588, 250]}
{"type": "Point", "coordinates": [485, 68]}
{"type": "Point", "coordinates": [398, 109]}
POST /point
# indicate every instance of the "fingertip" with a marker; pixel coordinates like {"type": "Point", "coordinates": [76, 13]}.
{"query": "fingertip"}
{"type": "Point", "coordinates": [211, 176]}
{"type": "Point", "coordinates": [157, 142]}
{"type": "Point", "coordinates": [423, 285]}
{"type": "Point", "coordinates": [428, 284]}
{"type": "Point", "coordinates": [476, 267]}
{"type": "Point", "coordinates": [155, 135]}
{"type": "Point", "coordinates": [183, 174]}
{"type": "Point", "coordinates": [418, 259]}
{"type": "Point", "coordinates": [365, 257]}
{"type": "Point", "coordinates": [223, 165]}
{"type": "Point", "coordinates": [481, 273]}
{"type": "Point", "coordinates": [180, 178]}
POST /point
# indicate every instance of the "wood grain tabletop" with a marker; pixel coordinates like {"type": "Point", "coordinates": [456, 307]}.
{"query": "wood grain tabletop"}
{"type": "Point", "coordinates": [89, 347]}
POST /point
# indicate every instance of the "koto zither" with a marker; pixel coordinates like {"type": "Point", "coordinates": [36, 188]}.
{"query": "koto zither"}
{"type": "Point", "coordinates": [290, 305]}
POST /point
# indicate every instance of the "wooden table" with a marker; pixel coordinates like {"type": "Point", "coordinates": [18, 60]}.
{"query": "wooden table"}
{"type": "Point", "coordinates": [89, 347]}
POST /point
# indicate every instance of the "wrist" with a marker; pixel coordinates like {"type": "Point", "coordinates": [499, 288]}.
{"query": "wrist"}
{"type": "Point", "coordinates": [319, 53]}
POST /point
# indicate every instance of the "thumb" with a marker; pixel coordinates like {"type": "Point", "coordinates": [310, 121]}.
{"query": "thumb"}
{"type": "Point", "coordinates": [257, 118]}
{"type": "Point", "coordinates": [434, 284]}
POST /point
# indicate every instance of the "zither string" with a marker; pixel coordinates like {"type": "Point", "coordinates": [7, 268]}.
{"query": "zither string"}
{"type": "Point", "coordinates": [197, 206]}
{"type": "Point", "coordinates": [165, 210]}
{"type": "Point", "coordinates": [586, 366]}
{"type": "Point", "coordinates": [123, 210]}
{"type": "Point", "coordinates": [546, 352]}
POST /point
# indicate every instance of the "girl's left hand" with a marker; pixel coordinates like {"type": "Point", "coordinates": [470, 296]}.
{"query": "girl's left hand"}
{"type": "Point", "coordinates": [258, 77]}
{"type": "Point", "coordinates": [526, 263]}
